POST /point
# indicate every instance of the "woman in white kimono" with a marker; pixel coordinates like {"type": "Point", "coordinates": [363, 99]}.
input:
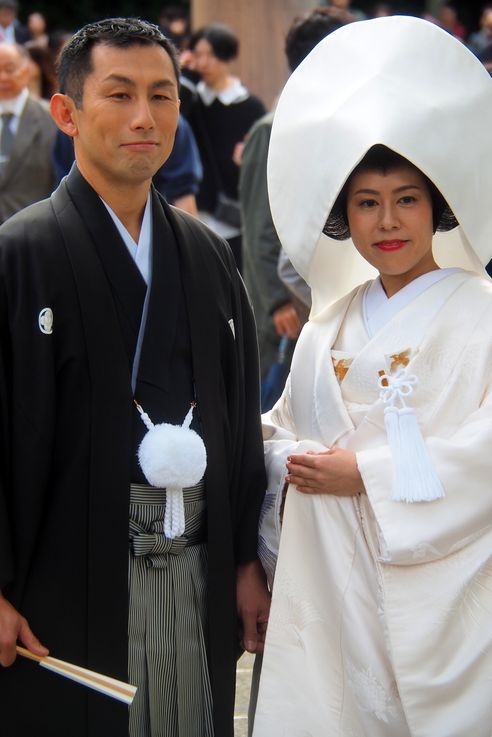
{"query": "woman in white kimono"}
{"type": "Point", "coordinates": [381, 619]}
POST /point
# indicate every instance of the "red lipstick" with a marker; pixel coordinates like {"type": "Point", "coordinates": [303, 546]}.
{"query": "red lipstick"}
{"type": "Point", "coordinates": [393, 245]}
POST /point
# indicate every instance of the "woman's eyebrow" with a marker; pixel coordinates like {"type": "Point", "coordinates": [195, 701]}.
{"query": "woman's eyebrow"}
{"type": "Point", "coordinates": [402, 188]}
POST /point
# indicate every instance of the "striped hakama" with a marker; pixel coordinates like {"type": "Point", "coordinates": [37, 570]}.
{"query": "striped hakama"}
{"type": "Point", "coordinates": [167, 658]}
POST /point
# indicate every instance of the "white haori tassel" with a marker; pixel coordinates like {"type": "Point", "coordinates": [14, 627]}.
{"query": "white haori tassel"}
{"type": "Point", "coordinates": [172, 457]}
{"type": "Point", "coordinates": [414, 476]}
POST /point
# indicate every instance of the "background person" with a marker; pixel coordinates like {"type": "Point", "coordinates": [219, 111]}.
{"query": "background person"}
{"type": "Point", "coordinates": [27, 135]}
{"type": "Point", "coordinates": [448, 19]}
{"type": "Point", "coordinates": [223, 113]}
{"type": "Point", "coordinates": [486, 58]}
{"type": "Point", "coordinates": [42, 75]}
{"type": "Point", "coordinates": [478, 41]}
{"type": "Point", "coordinates": [174, 22]}
{"type": "Point", "coordinates": [38, 30]}
{"type": "Point", "coordinates": [11, 30]}
{"type": "Point", "coordinates": [274, 310]}
{"type": "Point", "coordinates": [382, 10]}
{"type": "Point", "coordinates": [345, 11]}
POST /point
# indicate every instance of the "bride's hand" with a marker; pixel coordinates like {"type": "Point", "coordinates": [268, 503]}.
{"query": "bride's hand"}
{"type": "Point", "coordinates": [332, 472]}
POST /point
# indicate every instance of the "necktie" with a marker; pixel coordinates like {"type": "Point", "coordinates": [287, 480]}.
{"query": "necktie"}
{"type": "Point", "coordinates": [6, 141]}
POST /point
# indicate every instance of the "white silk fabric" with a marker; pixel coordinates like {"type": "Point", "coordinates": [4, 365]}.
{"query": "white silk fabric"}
{"type": "Point", "coordinates": [398, 81]}
{"type": "Point", "coordinates": [381, 620]}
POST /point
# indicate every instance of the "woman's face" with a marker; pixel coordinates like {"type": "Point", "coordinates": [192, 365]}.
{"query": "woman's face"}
{"type": "Point", "coordinates": [211, 69]}
{"type": "Point", "coordinates": [390, 220]}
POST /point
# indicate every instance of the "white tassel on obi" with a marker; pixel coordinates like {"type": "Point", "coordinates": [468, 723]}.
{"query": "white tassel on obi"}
{"type": "Point", "coordinates": [172, 457]}
{"type": "Point", "coordinates": [414, 476]}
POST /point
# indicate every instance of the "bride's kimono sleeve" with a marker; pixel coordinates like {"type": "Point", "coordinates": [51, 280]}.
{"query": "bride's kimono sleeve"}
{"type": "Point", "coordinates": [426, 531]}
{"type": "Point", "coordinates": [280, 440]}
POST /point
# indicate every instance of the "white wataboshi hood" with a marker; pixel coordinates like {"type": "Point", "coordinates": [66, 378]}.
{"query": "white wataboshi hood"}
{"type": "Point", "coordinates": [401, 82]}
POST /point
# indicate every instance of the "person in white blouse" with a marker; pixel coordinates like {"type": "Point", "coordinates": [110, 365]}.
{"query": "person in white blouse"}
{"type": "Point", "coordinates": [11, 30]}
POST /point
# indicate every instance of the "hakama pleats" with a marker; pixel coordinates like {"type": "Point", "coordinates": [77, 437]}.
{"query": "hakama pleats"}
{"type": "Point", "coordinates": [167, 657]}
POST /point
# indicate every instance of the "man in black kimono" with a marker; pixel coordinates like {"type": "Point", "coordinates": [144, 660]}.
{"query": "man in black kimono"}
{"type": "Point", "coordinates": [73, 286]}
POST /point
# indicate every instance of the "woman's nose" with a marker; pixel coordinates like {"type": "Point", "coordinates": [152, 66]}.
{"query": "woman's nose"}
{"type": "Point", "coordinates": [389, 217]}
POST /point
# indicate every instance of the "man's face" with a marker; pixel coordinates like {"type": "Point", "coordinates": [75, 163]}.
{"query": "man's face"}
{"type": "Point", "coordinates": [126, 125]}
{"type": "Point", "coordinates": [14, 71]}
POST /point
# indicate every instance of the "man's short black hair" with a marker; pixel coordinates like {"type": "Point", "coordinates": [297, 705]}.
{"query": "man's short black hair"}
{"type": "Point", "coordinates": [75, 63]}
{"type": "Point", "coordinates": [383, 159]}
{"type": "Point", "coordinates": [306, 32]}
{"type": "Point", "coordinates": [222, 39]}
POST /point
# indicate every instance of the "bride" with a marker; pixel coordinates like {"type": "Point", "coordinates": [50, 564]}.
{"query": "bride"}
{"type": "Point", "coordinates": [379, 450]}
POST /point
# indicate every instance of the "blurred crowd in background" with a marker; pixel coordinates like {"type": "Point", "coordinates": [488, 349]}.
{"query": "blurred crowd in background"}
{"type": "Point", "coordinates": [44, 43]}
{"type": "Point", "coordinates": [217, 170]}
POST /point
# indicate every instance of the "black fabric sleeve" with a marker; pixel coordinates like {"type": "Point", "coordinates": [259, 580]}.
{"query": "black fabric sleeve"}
{"type": "Point", "coordinates": [6, 555]}
{"type": "Point", "coordinates": [252, 477]}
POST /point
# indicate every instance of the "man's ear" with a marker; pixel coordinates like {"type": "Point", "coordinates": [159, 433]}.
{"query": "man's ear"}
{"type": "Point", "coordinates": [64, 113]}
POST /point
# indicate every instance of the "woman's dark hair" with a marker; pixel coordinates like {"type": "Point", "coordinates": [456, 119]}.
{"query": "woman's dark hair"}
{"type": "Point", "coordinates": [75, 62]}
{"type": "Point", "coordinates": [383, 159]}
{"type": "Point", "coordinates": [221, 38]}
{"type": "Point", "coordinates": [43, 59]}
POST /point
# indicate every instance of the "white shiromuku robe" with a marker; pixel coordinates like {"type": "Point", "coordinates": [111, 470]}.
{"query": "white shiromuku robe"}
{"type": "Point", "coordinates": [381, 619]}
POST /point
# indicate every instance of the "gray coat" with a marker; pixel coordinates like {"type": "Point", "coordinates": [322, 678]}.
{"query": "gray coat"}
{"type": "Point", "coordinates": [28, 176]}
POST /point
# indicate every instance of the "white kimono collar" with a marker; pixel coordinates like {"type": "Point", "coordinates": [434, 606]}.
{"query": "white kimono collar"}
{"type": "Point", "coordinates": [237, 92]}
{"type": "Point", "coordinates": [140, 252]}
{"type": "Point", "coordinates": [378, 309]}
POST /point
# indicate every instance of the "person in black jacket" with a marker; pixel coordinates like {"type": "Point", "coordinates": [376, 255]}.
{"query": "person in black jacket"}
{"type": "Point", "coordinates": [110, 298]}
{"type": "Point", "coordinates": [222, 115]}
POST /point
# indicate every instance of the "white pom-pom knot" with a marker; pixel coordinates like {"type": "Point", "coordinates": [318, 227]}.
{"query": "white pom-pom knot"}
{"type": "Point", "coordinates": [172, 457]}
